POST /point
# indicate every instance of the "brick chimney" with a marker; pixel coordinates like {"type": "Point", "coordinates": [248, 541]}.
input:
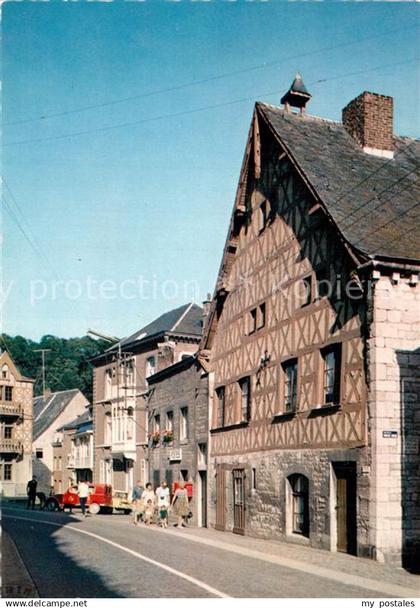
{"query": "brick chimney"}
{"type": "Point", "coordinates": [368, 119]}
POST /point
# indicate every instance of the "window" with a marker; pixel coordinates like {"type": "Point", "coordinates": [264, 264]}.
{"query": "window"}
{"type": "Point", "coordinates": [254, 479]}
{"type": "Point", "coordinates": [129, 374]}
{"type": "Point", "coordinates": [39, 454]}
{"type": "Point", "coordinates": [5, 372]}
{"type": "Point", "coordinates": [130, 424]}
{"type": "Point", "coordinates": [244, 386]}
{"type": "Point", "coordinates": [332, 364]}
{"type": "Point", "coordinates": [290, 371]}
{"type": "Point", "coordinates": [264, 215]}
{"type": "Point", "coordinates": [261, 316]}
{"type": "Point", "coordinates": [8, 430]}
{"type": "Point", "coordinates": [108, 383]}
{"type": "Point", "coordinates": [202, 453]}
{"type": "Point", "coordinates": [220, 395]}
{"type": "Point", "coordinates": [108, 429]}
{"type": "Point", "coordinates": [257, 318]}
{"type": "Point", "coordinates": [156, 423]}
{"type": "Point", "coordinates": [183, 434]}
{"type": "Point", "coordinates": [170, 421]}
{"type": "Point", "coordinates": [306, 295]}
{"type": "Point", "coordinates": [8, 393]}
{"type": "Point", "coordinates": [184, 474]}
{"type": "Point", "coordinates": [7, 472]}
{"type": "Point", "coordinates": [150, 366]}
{"type": "Point", "coordinates": [300, 504]}
{"type": "Point", "coordinates": [252, 321]}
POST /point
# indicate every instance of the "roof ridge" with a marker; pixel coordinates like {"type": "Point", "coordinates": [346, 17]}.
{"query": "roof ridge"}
{"type": "Point", "coordinates": [186, 311]}
{"type": "Point", "coordinates": [299, 116]}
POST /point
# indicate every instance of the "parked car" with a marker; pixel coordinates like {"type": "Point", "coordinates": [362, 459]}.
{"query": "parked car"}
{"type": "Point", "coordinates": [121, 501]}
{"type": "Point", "coordinates": [100, 499]}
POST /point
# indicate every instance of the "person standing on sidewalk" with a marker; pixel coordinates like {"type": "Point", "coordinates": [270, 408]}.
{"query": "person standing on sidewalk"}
{"type": "Point", "coordinates": [162, 497]}
{"type": "Point", "coordinates": [31, 492]}
{"type": "Point", "coordinates": [137, 502]}
{"type": "Point", "coordinates": [83, 492]}
{"type": "Point", "coordinates": [180, 504]}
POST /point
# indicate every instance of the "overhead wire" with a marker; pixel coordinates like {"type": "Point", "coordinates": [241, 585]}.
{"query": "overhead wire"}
{"type": "Point", "coordinates": [166, 116]}
{"type": "Point", "coordinates": [201, 81]}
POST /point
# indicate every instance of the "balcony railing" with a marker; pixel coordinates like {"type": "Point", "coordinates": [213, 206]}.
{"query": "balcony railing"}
{"type": "Point", "coordinates": [10, 408]}
{"type": "Point", "coordinates": [10, 446]}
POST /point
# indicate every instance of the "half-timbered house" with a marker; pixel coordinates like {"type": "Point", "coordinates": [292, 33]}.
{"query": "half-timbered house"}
{"type": "Point", "coordinates": [317, 291]}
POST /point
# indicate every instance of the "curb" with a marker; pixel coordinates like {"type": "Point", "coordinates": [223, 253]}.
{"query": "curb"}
{"type": "Point", "coordinates": [16, 581]}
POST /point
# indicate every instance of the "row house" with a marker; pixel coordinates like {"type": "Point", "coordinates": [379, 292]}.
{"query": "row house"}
{"type": "Point", "coordinates": [15, 428]}
{"type": "Point", "coordinates": [73, 452]}
{"type": "Point", "coordinates": [52, 411]}
{"type": "Point", "coordinates": [120, 389]}
{"type": "Point", "coordinates": [313, 334]}
{"type": "Point", "coordinates": [178, 421]}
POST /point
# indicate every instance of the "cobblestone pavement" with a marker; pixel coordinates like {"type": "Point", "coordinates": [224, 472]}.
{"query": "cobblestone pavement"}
{"type": "Point", "coordinates": [105, 556]}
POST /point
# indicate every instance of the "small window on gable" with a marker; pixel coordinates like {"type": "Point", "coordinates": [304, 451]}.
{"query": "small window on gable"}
{"type": "Point", "coordinates": [252, 321]}
{"type": "Point", "coordinates": [263, 215]}
{"type": "Point", "coordinates": [5, 372]}
{"type": "Point", "coordinates": [39, 454]}
{"type": "Point", "coordinates": [306, 295]}
{"type": "Point", "coordinates": [331, 357]}
{"type": "Point", "coordinates": [261, 316]}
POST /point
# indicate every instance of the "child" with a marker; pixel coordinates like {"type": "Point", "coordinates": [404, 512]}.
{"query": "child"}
{"type": "Point", "coordinates": [163, 516]}
{"type": "Point", "coordinates": [148, 512]}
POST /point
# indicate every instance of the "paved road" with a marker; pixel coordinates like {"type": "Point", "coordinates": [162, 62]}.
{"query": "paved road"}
{"type": "Point", "coordinates": [105, 556]}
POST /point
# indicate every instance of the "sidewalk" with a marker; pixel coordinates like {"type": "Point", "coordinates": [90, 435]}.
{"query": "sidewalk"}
{"type": "Point", "coordinates": [339, 566]}
{"type": "Point", "coordinates": [15, 578]}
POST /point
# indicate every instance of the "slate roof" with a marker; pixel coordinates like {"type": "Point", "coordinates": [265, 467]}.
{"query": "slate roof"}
{"type": "Point", "coordinates": [78, 423]}
{"type": "Point", "coordinates": [375, 202]}
{"type": "Point", "coordinates": [186, 320]}
{"type": "Point", "coordinates": [48, 408]}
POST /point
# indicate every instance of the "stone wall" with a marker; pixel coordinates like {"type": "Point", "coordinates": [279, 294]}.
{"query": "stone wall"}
{"type": "Point", "coordinates": [394, 325]}
{"type": "Point", "coordinates": [185, 388]}
{"type": "Point", "coordinates": [267, 513]}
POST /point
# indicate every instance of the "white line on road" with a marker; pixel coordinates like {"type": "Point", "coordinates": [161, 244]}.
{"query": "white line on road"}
{"type": "Point", "coordinates": [186, 577]}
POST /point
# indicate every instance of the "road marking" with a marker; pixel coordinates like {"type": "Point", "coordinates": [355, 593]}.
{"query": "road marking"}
{"type": "Point", "coordinates": [186, 577]}
{"type": "Point", "coordinates": [338, 576]}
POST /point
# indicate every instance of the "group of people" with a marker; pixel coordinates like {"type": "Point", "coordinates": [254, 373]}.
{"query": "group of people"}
{"type": "Point", "coordinates": [149, 506]}
{"type": "Point", "coordinates": [82, 490]}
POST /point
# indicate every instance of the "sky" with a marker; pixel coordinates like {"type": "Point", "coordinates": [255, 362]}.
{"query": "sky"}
{"type": "Point", "coordinates": [115, 213]}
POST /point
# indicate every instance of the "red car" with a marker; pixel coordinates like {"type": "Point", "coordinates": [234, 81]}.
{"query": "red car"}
{"type": "Point", "coordinates": [100, 498]}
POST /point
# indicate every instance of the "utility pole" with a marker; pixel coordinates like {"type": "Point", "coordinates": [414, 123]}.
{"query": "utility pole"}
{"type": "Point", "coordinates": [43, 351]}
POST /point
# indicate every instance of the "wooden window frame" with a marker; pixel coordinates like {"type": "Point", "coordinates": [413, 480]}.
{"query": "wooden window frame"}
{"type": "Point", "coordinates": [252, 318]}
{"type": "Point", "coordinates": [245, 412]}
{"type": "Point", "coordinates": [261, 315]}
{"type": "Point", "coordinates": [285, 365]}
{"type": "Point", "coordinates": [335, 349]}
{"type": "Point", "coordinates": [299, 504]}
{"type": "Point", "coordinates": [310, 296]}
{"type": "Point", "coordinates": [8, 431]}
{"type": "Point", "coordinates": [264, 211]}
{"type": "Point", "coordinates": [8, 467]}
{"type": "Point", "coordinates": [8, 393]}
{"type": "Point", "coordinates": [221, 406]}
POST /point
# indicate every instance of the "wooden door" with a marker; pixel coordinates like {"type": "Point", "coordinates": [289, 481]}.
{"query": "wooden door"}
{"type": "Point", "coordinates": [220, 499]}
{"type": "Point", "coordinates": [346, 508]}
{"type": "Point", "coordinates": [239, 501]}
{"type": "Point", "coordinates": [203, 484]}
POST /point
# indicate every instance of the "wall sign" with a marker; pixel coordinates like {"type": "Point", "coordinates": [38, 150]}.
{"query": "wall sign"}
{"type": "Point", "coordinates": [389, 434]}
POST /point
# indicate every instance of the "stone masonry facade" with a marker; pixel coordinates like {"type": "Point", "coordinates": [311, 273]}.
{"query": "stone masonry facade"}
{"type": "Point", "coordinates": [392, 356]}
{"type": "Point", "coordinates": [183, 385]}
